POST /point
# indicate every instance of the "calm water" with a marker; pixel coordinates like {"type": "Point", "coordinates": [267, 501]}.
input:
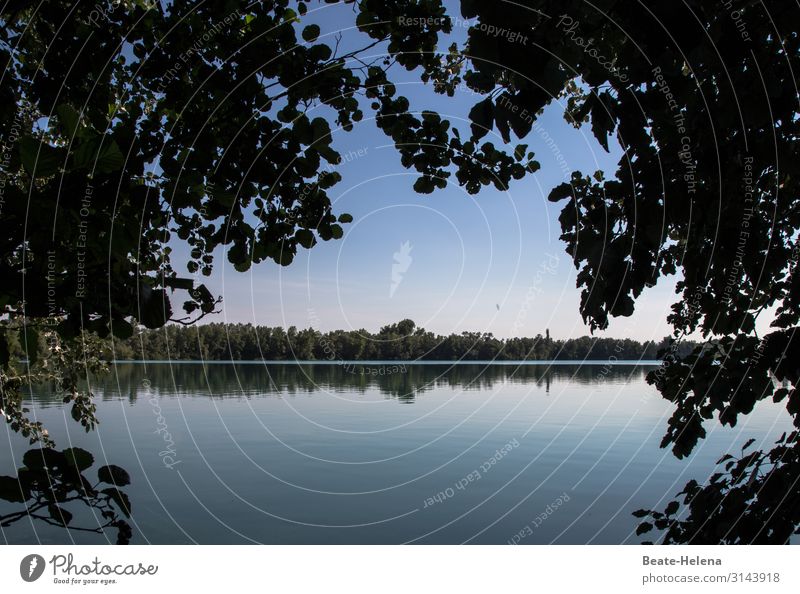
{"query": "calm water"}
{"type": "Point", "coordinates": [287, 453]}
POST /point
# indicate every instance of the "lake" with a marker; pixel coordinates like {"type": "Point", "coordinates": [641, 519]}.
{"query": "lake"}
{"type": "Point", "coordinates": [381, 452]}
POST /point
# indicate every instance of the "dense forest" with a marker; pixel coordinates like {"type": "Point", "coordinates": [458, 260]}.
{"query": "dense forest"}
{"type": "Point", "coordinates": [400, 341]}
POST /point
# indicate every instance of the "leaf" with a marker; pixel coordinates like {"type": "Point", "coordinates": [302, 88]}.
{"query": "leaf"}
{"type": "Point", "coordinates": [120, 498]}
{"type": "Point", "coordinates": [320, 132]}
{"type": "Point", "coordinates": [748, 443]}
{"type": "Point", "coordinates": [643, 527]}
{"type": "Point", "coordinates": [69, 119]}
{"type": "Point", "coordinates": [560, 192]}
{"type": "Point", "coordinates": [328, 180]}
{"type": "Point", "coordinates": [100, 154]}
{"type": "Point", "coordinates": [311, 33]}
{"type": "Point", "coordinates": [671, 508]}
{"type": "Point", "coordinates": [508, 116]}
{"type": "Point", "coordinates": [110, 158]}
{"type": "Point", "coordinates": [345, 218]}
{"type": "Point", "coordinates": [124, 532]}
{"type": "Point", "coordinates": [290, 15]}
{"type": "Point", "coordinates": [284, 257]}
{"type": "Point", "coordinates": [331, 156]}
{"type": "Point", "coordinates": [364, 20]}
{"type": "Point", "coordinates": [39, 158]}
{"type": "Point", "coordinates": [33, 479]}
{"type": "Point", "coordinates": [239, 256]}
{"type": "Point", "coordinates": [640, 513]}
{"type": "Point", "coordinates": [424, 185]}
{"type": "Point", "coordinates": [287, 114]}
{"type": "Point", "coordinates": [44, 458]}
{"type": "Point", "coordinates": [305, 238]}
{"type": "Point", "coordinates": [11, 490]}
{"type": "Point", "coordinates": [80, 459]}
{"type": "Point", "coordinates": [602, 122]}
{"type": "Point", "coordinates": [114, 475]}
{"type": "Point", "coordinates": [482, 117]}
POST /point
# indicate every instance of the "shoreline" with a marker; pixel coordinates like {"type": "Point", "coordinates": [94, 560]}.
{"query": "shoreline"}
{"type": "Point", "coordinates": [636, 362]}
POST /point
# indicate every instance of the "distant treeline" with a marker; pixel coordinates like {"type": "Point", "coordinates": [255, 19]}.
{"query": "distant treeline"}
{"type": "Point", "coordinates": [401, 341]}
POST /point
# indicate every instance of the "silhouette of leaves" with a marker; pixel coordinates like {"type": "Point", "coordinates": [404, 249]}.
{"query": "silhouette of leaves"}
{"type": "Point", "coordinates": [52, 480]}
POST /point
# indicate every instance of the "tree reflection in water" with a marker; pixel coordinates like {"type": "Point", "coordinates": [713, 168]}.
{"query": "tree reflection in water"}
{"type": "Point", "coordinates": [54, 490]}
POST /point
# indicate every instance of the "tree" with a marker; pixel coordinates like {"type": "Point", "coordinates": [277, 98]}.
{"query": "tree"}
{"type": "Point", "coordinates": [113, 143]}
{"type": "Point", "coordinates": [702, 99]}
{"type": "Point", "coordinates": [198, 128]}
{"type": "Point", "coordinates": [223, 342]}
{"type": "Point", "coordinates": [121, 153]}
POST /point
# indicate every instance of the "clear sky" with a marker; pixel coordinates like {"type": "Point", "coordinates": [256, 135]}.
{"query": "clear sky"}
{"type": "Point", "coordinates": [449, 261]}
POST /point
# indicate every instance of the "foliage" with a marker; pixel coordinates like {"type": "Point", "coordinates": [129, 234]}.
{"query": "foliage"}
{"type": "Point", "coordinates": [751, 502]}
{"type": "Point", "coordinates": [403, 341]}
{"type": "Point", "coordinates": [703, 103]}
{"type": "Point", "coordinates": [52, 479]}
{"type": "Point", "coordinates": [36, 355]}
{"type": "Point", "coordinates": [122, 154]}
{"type": "Point", "coordinates": [210, 126]}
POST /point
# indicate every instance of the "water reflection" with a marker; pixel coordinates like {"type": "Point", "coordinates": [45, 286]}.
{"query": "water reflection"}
{"type": "Point", "coordinates": [392, 379]}
{"type": "Point", "coordinates": [52, 488]}
{"type": "Point", "coordinates": [373, 453]}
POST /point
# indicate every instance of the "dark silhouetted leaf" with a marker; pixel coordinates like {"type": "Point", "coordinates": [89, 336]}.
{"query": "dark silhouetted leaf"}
{"type": "Point", "coordinates": [11, 490]}
{"type": "Point", "coordinates": [44, 458]}
{"type": "Point", "coordinates": [113, 475]}
{"type": "Point", "coordinates": [80, 459]}
{"type": "Point", "coordinates": [482, 117]}
{"type": "Point", "coordinates": [311, 33]}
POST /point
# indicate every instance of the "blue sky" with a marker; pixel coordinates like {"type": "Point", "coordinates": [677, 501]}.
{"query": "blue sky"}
{"type": "Point", "coordinates": [491, 262]}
